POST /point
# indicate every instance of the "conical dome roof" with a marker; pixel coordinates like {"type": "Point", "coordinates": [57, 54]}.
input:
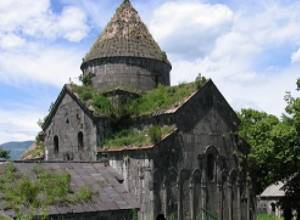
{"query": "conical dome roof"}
{"type": "Point", "coordinates": [126, 36]}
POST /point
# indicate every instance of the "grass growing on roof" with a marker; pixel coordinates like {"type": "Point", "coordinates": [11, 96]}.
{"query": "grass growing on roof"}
{"type": "Point", "coordinates": [137, 137]}
{"type": "Point", "coordinates": [153, 101]}
{"type": "Point", "coordinates": [162, 98]}
{"type": "Point", "coordinates": [25, 194]}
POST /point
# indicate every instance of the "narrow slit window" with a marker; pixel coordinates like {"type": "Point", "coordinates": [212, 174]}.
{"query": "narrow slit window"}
{"type": "Point", "coordinates": [56, 145]}
{"type": "Point", "coordinates": [80, 141]}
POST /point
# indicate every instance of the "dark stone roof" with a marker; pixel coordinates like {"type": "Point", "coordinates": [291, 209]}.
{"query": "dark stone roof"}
{"type": "Point", "coordinates": [109, 193]}
{"type": "Point", "coordinates": [126, 36]}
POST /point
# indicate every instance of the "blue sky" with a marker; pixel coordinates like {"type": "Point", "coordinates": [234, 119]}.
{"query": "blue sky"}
{"type": "Point", "coordinates": [251, 50]}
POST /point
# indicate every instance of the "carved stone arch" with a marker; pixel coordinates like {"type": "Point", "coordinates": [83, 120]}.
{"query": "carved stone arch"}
{"type": "Point", "coordinates": [184, 174]}
{"type": "Point", "coordinates": [211, 161]}
{"type": "Point", "coordinates": [233, 194]}
{"type": "Point", "coordinates": [196, 194]}
{"type": "Point", "coordinates": [184, 208]}
{"type": "Point", "coordinates": [157, 187]}
{"type": "Point", "coordinates": [196, 176]}
{"type": "Point", "coordinates": [171, 192]}
{"type": "Point", "coordinates": [172, 175]}
{"type": "Point", "coordinates": [211, 149]}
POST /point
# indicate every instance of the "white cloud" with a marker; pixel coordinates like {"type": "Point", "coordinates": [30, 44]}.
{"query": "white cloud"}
{"type": "Point", "coordinates": [190, 28]}
{"type": "Point", "coordinates": [9, 41]}
{"type": "Point", "coordinates": [50, 65]}
{"type": "Point", "coordinates": [296, 56]}
{"type": "Point", "coordinates": [19, 125]}
{"type": "Point", "coordinates": [36, 19]}
{"type": "Point", "coordinates": [230, 56]}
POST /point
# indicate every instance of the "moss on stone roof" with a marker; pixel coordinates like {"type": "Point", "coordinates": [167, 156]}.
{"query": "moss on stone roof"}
{"type": "Point", "coordinates": [152, 102]}
{"type": "Point", "coordinates": [35, 151]}
{"type": "Point", "coordinates": [137, 137]}
{"type": "Point", "coordinates": [25, 193]}
{"type": "Point", "coordinates": [126, 35]}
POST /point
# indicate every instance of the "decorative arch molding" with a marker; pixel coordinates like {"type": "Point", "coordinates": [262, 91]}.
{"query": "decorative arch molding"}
{"type": "Point", "coordinates": [234, 194]}
{"type": "Point", "coordinates": [171, 176]}
{"type": "Point", "coordinates": [170, 192]}
{"type": "Point", "coordinates": [211, 162]}
{"type": "Point", "coordinates": [196, 176]}
{"type": "Point", "coordinates": [184, 174]}
{"type": "Point", "coordinates": [184, 199]}
{"type": "Point", "coordinates": [211, 149]}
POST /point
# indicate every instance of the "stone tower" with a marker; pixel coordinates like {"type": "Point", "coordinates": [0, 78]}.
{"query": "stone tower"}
{"type": "Point", "coordinates": [125, 56]}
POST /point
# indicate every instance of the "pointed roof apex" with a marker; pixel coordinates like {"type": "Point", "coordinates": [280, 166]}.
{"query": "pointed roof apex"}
{"type": "Point", "coordinates": [126, 2]}
{"type": "Point", "coordinates": [126, 36]}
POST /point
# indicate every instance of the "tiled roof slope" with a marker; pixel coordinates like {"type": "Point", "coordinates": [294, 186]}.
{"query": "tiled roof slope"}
{"type": "Point", "coordinates": [274, 190]}
{"type": "Point", "coordinates": [108, 191]}
{"type": "Point", "coordinates": [126, 36]}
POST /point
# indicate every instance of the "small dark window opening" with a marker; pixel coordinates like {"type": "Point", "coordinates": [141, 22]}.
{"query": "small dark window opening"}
{"type": "Point", "coordinates": [210, 166]}
{"type": "Point", "coordinates": [160, 217]}
{"type": "Point", "coordinates": [156, 78]}
{"type": "Point", "coordinates": [80, 141]}
{"type": "Point", "coordinates": [273, 207]}
{"type": "Point", "coordinates": [56, 145]}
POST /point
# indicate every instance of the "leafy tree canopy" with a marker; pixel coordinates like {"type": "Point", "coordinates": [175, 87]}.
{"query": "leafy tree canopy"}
{"type": "Point", "coordinates": [275, 153]}
{"type": "Point", "coordinates": [4, 154]}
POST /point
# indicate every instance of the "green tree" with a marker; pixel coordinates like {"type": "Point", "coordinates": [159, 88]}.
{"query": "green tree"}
{"type": "Point", "coordinates": [257, 127]}
{"type": "Point", "coordinates": [4, 154]}
{"type": "Point", "coordinates": [275, 153]}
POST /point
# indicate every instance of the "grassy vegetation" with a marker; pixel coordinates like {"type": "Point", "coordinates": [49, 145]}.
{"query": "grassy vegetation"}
{"type": "Point", "coordinates": [162, 98]}
{"type": "Point", "coordinates": [36, 152]}
{"type": "Point", "coordinates": [25, 194]}
{"type": "Point", "coordinates": [138, 138]}
{"type": "Point", "coordinates": [267, 217]}
{"type": "Point", "coordinates": [157, 100]}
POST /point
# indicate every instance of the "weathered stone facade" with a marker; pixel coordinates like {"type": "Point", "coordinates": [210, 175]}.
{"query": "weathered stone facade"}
{"type": "Point", "coordinates": [126, 55]}
{"type": "Point", "coordinates": [193, 173]}
{"type": "Point", "coordinates": [127, 73]}
{"type": "Point", "coordinates": [71, 134]}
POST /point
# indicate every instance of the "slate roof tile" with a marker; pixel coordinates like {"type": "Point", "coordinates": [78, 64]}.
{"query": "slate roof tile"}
{"type": "Point", "coordinates": [108, 193]}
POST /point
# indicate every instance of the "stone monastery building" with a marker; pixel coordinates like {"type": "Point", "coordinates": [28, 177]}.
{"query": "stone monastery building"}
{"type": "Point", "coordinates": [181, 158]}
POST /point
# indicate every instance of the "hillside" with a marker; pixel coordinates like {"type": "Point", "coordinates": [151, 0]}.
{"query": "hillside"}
{"type": "Point", "coordinates": [16, 148]}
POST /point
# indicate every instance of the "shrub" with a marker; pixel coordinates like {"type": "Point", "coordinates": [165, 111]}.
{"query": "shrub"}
{"type": "Point", "coordinates": [45, 188]}
{"type": "Point", "coordinates": [155, 134]}
{"type": "Point", "coordinates": [102, 104]}
{"type": "Point", "coordinates": [137, 137]}
{"type": "Point", "coordinates": [86, 79]}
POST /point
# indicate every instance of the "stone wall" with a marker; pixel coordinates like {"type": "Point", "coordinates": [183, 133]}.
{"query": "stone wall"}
{"type": "Point", "coordinates": [62, 136]}
{"type": "Point", "coordinates": [127, 72]}
{"type": "Point", "coordinates": [108, 215]}
{"type": "Point", "coordinates": [137, 172]}
{"type": "Point", "coordinates": [193, 173]}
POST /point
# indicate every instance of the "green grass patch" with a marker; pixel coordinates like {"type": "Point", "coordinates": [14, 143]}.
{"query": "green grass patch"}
{"type": "Point", "coordinates": [25, 194]}
{"type": "Point", "coordinates": [151, 102]}
{"type": "Point", "coordinates": [267, 217]}
{"type": "Point", "coordinates": [134, 137]}
{"type": "Point", "coordinates": [162, 99]}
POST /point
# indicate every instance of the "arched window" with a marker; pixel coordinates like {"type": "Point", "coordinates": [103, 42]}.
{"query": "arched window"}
{"type": "Point", "coordinates": [56, 145]}
{"type": "Point", "coordinates": [80, 141]}
{"type": "Point", "coordinates": [210, 166]}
